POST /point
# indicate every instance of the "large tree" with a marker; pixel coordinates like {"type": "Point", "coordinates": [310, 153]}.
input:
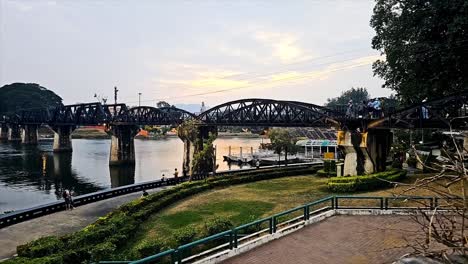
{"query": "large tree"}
{"type": "Point", "coordinates": [425, 43]}
{"type": "Point", "coordinates": [357, 94]}
{"type": "Point", "coordinates": [26, 96]}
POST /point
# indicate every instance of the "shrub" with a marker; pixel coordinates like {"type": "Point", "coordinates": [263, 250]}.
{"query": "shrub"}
{"type": "Point", "coordinates": [41, 247]}
{"type": "Point", "coordinates": [217, 225]}
{"type": "Point", "coordinates": [185, 235]}
{"type": "Point", "coordinates": [148, 248]}
{"type": "Point", "coordinates": [103, 251]}
{"type": "Point", "coordinates": [365, 183]}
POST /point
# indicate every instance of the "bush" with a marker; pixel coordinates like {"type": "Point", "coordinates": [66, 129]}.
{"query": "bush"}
{"type": "Point", "coordinates": [217, 225]}
{"type": "Point", "coordinates": [103, 251]}
{"type": "Point", "coordinates": [365, 183]}
{"type": "Point", "coordinates": [42, 247]}
{"type": "Point", "coordinates": [104, 237]}
{"type": "Point", "coordinates": [185, 235]}
{"type": "Point", "coordinates": [148, 248]}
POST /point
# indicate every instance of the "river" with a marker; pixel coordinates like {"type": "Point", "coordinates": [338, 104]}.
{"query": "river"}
{"type": "Point", "coordinates": [34, 175]}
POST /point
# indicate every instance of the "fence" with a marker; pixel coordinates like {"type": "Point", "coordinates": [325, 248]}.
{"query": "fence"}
{"type": "Point", "coordinates": [243, 235]}
{"type": "Point", "coordinates": [49, 208]}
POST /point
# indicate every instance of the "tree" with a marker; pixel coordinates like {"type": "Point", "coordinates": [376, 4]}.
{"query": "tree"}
{"type": "Point", "coordinates": [26, 96]}
{"type": "Point", "coordinates": [358, 94]}
{"type": "Point", "coordinates": [425, 47]}
{"type": "Point", "coordinates": [281, 140]}
{"type": "Point", "coordinates": [162, 104]}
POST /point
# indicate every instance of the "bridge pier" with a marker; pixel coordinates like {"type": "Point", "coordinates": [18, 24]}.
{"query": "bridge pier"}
{"type": "Point", "coordinates": [62, 138]}
{"type": "Point", "coordinates": [194, 139]}
{"type": "Point", "coordinates": [122, 150]}
{"type": "Point", "coordinates": [365, 153]}
{"type": "Point", "coordinates": [3, 132]}
{"type": "Point", "coordinates": [14, 132]}
{"type": "Point", "coordinates": [30, 134]}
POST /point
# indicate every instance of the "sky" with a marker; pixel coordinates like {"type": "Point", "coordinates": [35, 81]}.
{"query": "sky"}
{"type": "Point", "coordinates": [186, 52]}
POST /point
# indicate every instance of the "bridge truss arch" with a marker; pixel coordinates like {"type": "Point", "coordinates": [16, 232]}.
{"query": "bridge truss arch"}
{"type": "Point", "coordinates": [268, 113]}
{"type": "Point", "coordinates": [148, 115]}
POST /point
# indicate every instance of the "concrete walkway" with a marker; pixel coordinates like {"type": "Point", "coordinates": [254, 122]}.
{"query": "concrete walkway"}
{"type": "Point", "coordinates": [59, 223]}
{"type": "Point", "coordinates": [339, 239]}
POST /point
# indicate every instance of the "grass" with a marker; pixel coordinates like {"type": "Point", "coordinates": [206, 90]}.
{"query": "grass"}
{"type": "Point", "coordinates": [240, 204]}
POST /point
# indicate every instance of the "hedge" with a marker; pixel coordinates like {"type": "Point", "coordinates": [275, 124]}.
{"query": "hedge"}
{"type": "Point", "coordinates": [103, 240]}
{"type": "Point", "coordinates": [367, 182]}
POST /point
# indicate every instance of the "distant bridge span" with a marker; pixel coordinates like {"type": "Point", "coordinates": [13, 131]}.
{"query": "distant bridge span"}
{"type": "Point", "coordinates": [123, 123]}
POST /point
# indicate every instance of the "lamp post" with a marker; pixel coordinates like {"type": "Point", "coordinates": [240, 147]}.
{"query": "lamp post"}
{"type": "Point", "coordinates": [139, 99]}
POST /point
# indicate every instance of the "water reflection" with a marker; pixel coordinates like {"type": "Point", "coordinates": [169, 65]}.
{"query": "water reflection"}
{"type": "Point", "coordinates": [33, 175]}
{"type": "Point", "coordinates": [121, 176]}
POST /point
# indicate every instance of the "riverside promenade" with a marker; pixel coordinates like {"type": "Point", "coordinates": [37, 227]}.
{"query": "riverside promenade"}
{"type": "Point", "coordinates": [60, 223]}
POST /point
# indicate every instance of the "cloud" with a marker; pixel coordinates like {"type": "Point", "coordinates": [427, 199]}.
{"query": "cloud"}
{"type": "Point", "coordinates": [284, 46]}
{"type": "Point", "coordinates": [215, 80]}
{"type": "Point", "coordinates": [21, 6]}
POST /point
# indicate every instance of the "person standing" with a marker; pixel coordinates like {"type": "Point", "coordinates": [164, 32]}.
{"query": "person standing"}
{"type": "Point", "coordinates": [68, 200]}
{"type": "Point", "coordinates": [350, 109]}
{"type": "Point", "coordinates": [370, 108]}
{"type": "Point", "coordinates": [377, 108]}
{"type": "Point", "coordinates": [362, 109]}
{"type": "Point", "coordinates": [176, 174]}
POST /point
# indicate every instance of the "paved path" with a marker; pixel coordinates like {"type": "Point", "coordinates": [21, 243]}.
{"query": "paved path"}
{"type": "Point", "coordinates": [59, 223]}
{"type": "Point", "coordinates": [339, 239]}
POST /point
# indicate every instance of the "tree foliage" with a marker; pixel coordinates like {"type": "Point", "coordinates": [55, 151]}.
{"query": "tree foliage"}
{"type": "Point", "coordinates": [282, 140]}
{"type": "Point", "coordinates": [357, 94]}
{"type": "Point", "coordinates": [26, 96]}
{"type": "Point", "coordinates": [162, 104]}
{"type": "Point", "coordinates": [425, 47]}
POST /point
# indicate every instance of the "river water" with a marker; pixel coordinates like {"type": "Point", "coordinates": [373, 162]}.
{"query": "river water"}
{"type": "Point", "coordinates": [34, 175]}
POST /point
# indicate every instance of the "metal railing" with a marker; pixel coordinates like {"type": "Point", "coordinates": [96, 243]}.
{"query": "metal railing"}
{"type": "Point", "coordinates": [49, 208]}
{"type": "Point", "coordinates": [287, 220]}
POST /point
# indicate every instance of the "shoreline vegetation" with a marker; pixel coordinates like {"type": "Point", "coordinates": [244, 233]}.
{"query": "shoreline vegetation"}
{"type": "Point", "coordinates": [97, 133]}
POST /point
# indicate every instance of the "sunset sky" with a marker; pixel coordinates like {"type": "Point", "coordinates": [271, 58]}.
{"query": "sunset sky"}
{"type": "Point", "coordinates": [189, 51]}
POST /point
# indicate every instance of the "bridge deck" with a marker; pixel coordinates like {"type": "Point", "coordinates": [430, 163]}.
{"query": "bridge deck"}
{"type": "Point", "coordinates": [339, 239]}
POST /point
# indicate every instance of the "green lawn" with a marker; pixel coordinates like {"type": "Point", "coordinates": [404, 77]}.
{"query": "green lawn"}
{"type": "Point", "coordinates": [240, 204]}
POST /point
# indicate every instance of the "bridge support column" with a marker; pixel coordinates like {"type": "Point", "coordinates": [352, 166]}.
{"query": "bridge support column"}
{"type": "Point", "coordinates": [194, 139]}
{"type": "Point", "coordinates": [62, 138]}
{"type": "Point", "coordinates": [14, 133]}
{"type": "Point", "coordinates": [3, 132]}
{"type": "Point", "coordinates": [122, 145]}
{"type": "Point", "coordinates": [365, 153]}
{"type": "Point", "coordinates": [30, 134]}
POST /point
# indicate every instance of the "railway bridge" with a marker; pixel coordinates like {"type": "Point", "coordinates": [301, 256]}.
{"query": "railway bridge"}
{"type": "Point", "coordinates": [365, 140]}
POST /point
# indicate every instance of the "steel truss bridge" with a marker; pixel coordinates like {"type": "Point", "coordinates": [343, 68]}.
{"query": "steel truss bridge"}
{"type": "Point", "coordinates": [440, 113]}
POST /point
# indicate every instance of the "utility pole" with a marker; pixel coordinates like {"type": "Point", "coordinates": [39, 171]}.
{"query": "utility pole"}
{"type": "Point", "coordinates": [115, 94]}
{"type": "Point", "coordinates": [139, 99]}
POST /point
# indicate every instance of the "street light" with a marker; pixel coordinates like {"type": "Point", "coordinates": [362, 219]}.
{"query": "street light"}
{"type": "Point", "coordinates": [139, 99]}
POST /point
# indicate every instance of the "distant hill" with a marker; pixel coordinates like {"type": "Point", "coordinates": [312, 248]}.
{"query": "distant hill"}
{"type": "Point", "coordinates": [26, 96]}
